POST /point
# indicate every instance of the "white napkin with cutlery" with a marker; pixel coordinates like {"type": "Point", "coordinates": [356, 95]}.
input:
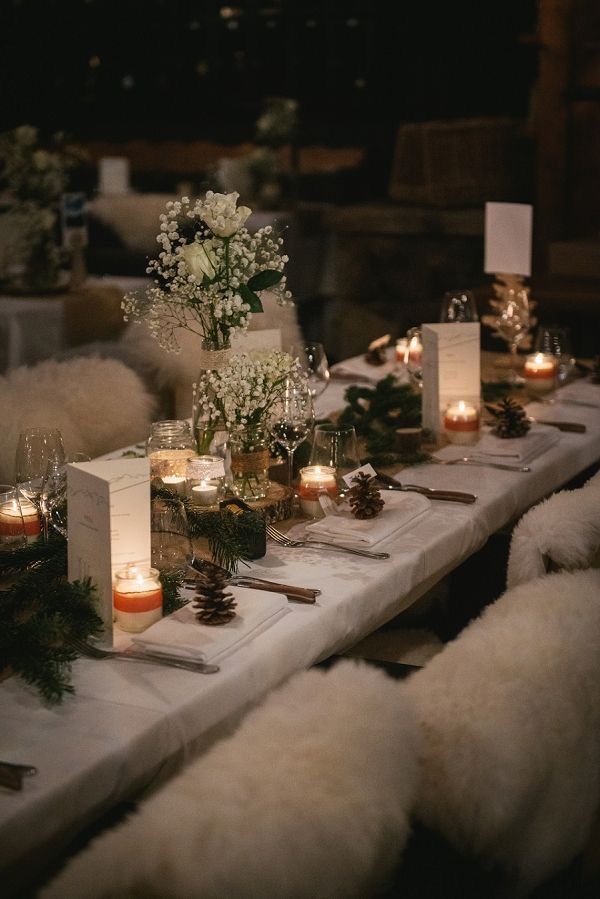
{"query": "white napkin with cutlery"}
{"type": "Point", "coordinates": [520, 450]}
{"type": "Point", "coordinates": [342, 528]}
{"type": "Point", "coordinates": [182, 634]}
{"type": "Point", "coordinates": [358, 368]}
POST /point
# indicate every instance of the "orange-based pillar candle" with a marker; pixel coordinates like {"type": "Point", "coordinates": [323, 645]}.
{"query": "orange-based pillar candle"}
{"type": "Point", "coordinates": [137, 598]}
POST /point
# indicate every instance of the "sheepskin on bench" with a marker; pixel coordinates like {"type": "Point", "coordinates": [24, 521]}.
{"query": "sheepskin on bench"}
{"type": "Point", "coordinates": [309, 798]}
{"type": "Point", "coordinates": [562, 531]}
{"type": "Point", "coordinates": [98, 405]}
{"type": "Point", "coordinates": [510, 714]}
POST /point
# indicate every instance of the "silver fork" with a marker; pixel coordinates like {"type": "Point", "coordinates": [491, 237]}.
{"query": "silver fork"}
{"type": "Point", "coordinates": [283, 540]}
{"type": "Point", "coordinates": [468, 460]}
{"type": "Point", "coordinates": [95, 652]}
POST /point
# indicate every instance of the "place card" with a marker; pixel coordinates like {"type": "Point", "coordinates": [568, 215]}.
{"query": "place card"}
{"type": "Point", "coordinates": [367, 469]}
{"type": "Point", "coordinates": [508, 233]}
{"type": "Point", "coordinates": [109, 524]}
{"type": "Point", "coordinates": [451, 369]}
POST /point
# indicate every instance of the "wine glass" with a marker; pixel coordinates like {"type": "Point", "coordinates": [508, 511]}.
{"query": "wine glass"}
{"type": "Point", "coordinates": [413, 356]}
{"type": "Point", "coordinates": [313, 360]}
{"type": "Point", "coordinates": [512, 323]}
{"type": "Point", "coordinates": [557, 342]}
{"type": "Point", "coordinates": [292, 418]}
{"type": "Point", "coordinates": [54, 490]}
{"type": "Point", "coordinates": [35, 448]}
{"type": "Point", "coordinates": [459, 306]}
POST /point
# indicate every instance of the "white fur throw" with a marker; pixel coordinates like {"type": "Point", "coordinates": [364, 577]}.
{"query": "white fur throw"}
{"type": "Point", "coordinates": [97, 404]}
{"type": "Point", "coordinates": [178, 371]}
{"type": "Point", "coordinates": [565, 528]}
{"type": "Point", "coordinates": [309, 798]}
{"type": "Point", "coordinates": [510, 713]}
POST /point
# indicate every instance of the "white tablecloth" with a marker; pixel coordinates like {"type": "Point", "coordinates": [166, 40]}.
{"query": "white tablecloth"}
{"type": "Point", "coordinates": [128, 725]}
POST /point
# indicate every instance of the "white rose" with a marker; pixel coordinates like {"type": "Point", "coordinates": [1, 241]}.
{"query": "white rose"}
{"type": "Point", "coordinates": [221, 216]}
{"type": "Point", "coordinates": [200, 259]}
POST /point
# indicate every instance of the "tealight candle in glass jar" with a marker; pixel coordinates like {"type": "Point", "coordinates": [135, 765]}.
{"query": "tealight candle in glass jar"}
{"type": "Point", "coordinates": [137, 598]}
{"type": "Point", "coordinates": [169, 447]}
{"type": "Point", "coordinates": [540, 371]}
{"type": "Point", "coordinates": [205, 479]}
{"type": "Point", "coordinates": [316, 480]}
{"type": "Point", "coordinates": [461, 422]}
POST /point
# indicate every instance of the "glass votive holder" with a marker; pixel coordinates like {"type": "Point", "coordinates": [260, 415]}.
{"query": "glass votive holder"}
{"type": "Point", "coordinates": [539, 371]}
{"type": "Point", "coordinates": [316, 480]}
{"type": "Point", "coordinates": [19, 519]}
{"type": "Point", "coordinates": [137, 598]}
{"type": "Point", "coordinates": [205, 480]}
{"type": "Point", "coordinates": [461, 422]}
{"type": "Point", "coordinates": [401, 350]}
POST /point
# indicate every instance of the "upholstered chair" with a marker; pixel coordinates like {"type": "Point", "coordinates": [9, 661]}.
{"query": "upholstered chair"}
{"type": "Point", "coordinates": [562, 531]}
{"type": "Point", "coordinates": [311, 796]}
{"type": "Point", "coordinates": [98, 405]}
{"type": "Point", "coordinates": [510, 719]}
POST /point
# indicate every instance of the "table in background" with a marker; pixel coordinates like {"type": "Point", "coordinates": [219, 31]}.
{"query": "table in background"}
{"type": "Point", "coordinates": [128, 726]}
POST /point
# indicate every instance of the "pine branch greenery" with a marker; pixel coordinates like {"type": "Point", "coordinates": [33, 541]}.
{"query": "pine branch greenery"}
{"type": "Point", "coordinates": [377, 412]}
{"type": "Point", "coordinates": [227, 534]}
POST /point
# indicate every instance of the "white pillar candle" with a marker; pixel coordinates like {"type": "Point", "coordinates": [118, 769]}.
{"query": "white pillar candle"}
{"type": "Point", "coordinates": [314, 481]}
{"type": "Point", "coordinates": [461, 423]}
{"type": "Point", "coordinates": [401, 349]}
{"type": "Point", "coordinates": [175, 483]}
{"type": "Point", "coordinates": [540, 371]}
{"type": "Point", "coordinates": [415, 351]}
{"type": "Point", "coordinates": [204, 494]}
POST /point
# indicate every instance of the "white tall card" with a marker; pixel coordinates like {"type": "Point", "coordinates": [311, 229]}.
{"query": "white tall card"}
{"type": "Point", "coordinates": [451, 368]}
{"type": "Point", "coordinates": [508, 230]}
{"type": "Point", "coordinates": [109, 524]}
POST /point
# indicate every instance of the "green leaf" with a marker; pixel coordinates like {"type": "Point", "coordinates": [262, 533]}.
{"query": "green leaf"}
{"type": "Point", "coordinates": [267, 278]}
{"type": "Point", "coordinates": [250, 298]}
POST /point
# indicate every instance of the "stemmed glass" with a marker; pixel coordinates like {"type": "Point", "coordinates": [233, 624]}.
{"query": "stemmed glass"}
{"type": "Point", "coordinates": [512, 323]}
{"type": "Point", "coordinates": [459, 306]}
{"type": "Point", "coordinates": [35, 448]}
{"type": "Point", "coordinates": [313, 360]}
{"type": "Point", "coordinates": [292, 418]}
{"type": "Point", "coordinates": [54, 490]}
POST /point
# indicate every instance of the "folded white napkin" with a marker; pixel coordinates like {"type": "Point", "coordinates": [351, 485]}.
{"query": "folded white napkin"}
{"type": "Point", "coordinates": [182, 634]}
{"type": "Point", "coordinates": [356, 367]}
{"type": "Point", "coordinates": [519, 450]}
{"type": "Point", "coordinates": [400, 510]}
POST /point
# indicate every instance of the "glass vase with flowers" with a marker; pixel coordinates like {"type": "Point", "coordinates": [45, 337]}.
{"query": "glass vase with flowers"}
{"type": "Point", "coordinates": [208, 279]}
{"type": "Point", "coordinates": [242, 395]}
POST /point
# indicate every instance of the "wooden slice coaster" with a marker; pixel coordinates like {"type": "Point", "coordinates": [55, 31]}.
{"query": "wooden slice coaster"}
{"type": "Point", "coordinates": [277, 505]}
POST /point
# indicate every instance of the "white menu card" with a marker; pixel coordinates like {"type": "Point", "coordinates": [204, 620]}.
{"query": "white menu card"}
{"type": "Point", "coordinates": [508, 230]}
{"type": "Point", "coordinates": [113, 176]}
{"type": "Point", "coordinates": [451, 368]}
{"type": "Point", "coordinates": [109, 524]}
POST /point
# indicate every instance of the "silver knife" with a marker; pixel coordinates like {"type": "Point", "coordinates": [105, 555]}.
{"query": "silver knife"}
{"type": "Point", "coordinates": [294, 594]}
{"type": "Point", "coordinates": [11, 775]}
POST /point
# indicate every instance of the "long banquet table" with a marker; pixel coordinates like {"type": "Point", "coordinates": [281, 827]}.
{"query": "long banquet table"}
{"type": "Point", "coordinates": [128, 726]}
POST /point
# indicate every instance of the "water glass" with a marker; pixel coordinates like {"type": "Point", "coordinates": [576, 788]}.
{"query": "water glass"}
{"type": "Point", "coordinates": [557, 342]}
{"type": "Point", "coordinates": [336, 446]}
{"type": "Point", "coordinates": [314, 362]}
{"type": "Point", "coordinates": [459, 306]}
{"type": "Point", "coordinates": [170, 537]}
{"type": "Point", "coordinates": [35, 448]}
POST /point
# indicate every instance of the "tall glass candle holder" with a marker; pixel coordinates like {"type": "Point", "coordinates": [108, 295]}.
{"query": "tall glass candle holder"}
{"type": "Point", "coordinates": [316, 480]}
{"type": "Point", "coordinates": [19, 519]}
{"type": "Point", "coordinates": [540, 372]}
{"type": "Point", "coordinates": [169, 447]}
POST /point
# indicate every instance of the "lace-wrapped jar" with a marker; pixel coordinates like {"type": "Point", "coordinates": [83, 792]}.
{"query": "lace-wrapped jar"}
{"type": "Point", "coordinates": [169, 447]}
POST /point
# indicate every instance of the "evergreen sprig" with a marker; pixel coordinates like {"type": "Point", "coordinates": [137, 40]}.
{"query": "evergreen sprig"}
{"type": "Point", "coordinates": [227, 534]}
{"type": "Point", "coordinates": [377, 412]}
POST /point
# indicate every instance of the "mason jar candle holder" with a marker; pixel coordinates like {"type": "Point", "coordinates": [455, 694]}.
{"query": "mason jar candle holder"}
{"type": "Point", "coordinates": [316, 480]}
{"type": "Point", "coordinates": [19, 518]}
{"type": "Point", "coordinates": [540, 372]}
{"type": "Point", "coordinates": [168, 448]}
{"type": "Point", "coordinates": [461, 422]}
{"type": "Point", "coordinates": [205, 480]}
{"type": "Point", "coordinates": [137, 598]}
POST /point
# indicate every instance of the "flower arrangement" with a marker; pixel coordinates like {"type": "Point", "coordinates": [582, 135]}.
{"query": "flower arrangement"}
{"type": "Point", "coordinates": [32, 180]}
{"type": "Point", "coordinates": [210, 273]}
{"type": "Point", "coordinates": [242, 394]}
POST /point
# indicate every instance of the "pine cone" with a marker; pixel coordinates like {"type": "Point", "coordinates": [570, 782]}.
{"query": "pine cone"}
{"type": "Point", "coordinates": [511, 418]}
{"type": "Point", "coordinates": [212, 604]}
{"type": "Point", "coordinates": [365, 498]}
